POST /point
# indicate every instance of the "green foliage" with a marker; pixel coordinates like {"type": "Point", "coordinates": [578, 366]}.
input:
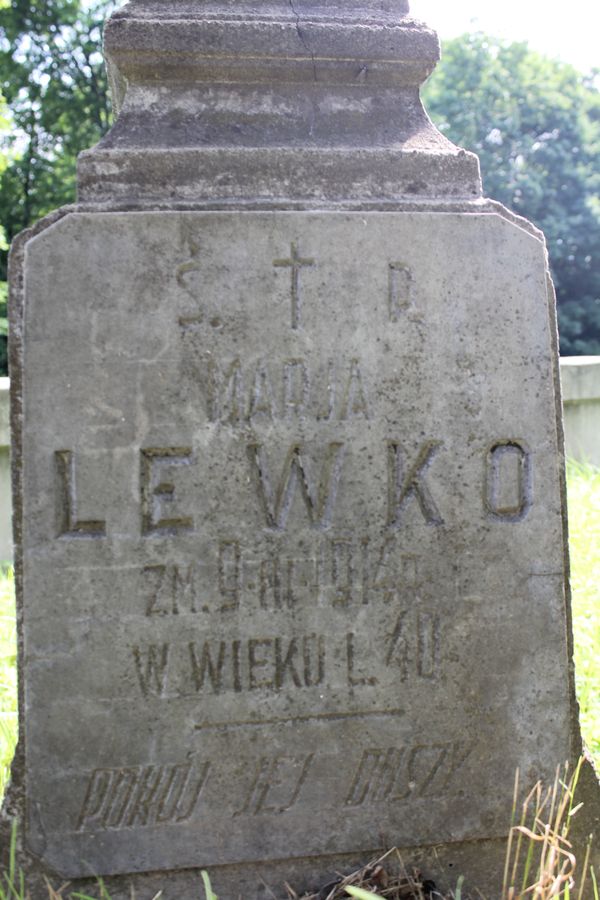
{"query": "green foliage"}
{"type": "Point", "coordinates": [3, 326]}
{"type": "Point", "coordinates": [584, 538]}
{"type": "Point", "coordinates": [535, 124]}
{"type": "Point", "coordinates": [208, 891]}
{"type": "Point", "coordinates": [104, 895]}
{"type": "Point", "coordinates": [53, 80]}
{"type": "Point", "coordinates": [54, 103]}
{"type": "Point", "coordinates": [12, 882]}
{"type": "Point", "coordinates": [8, 676]}
{"type": "Point", "coordinates": [360, 894]}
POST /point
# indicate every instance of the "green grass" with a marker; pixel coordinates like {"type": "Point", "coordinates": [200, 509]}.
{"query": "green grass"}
{"type": "Point", "coordinates": [584, 527]}
{"type": "Point", "coordinates": [8, 675]}
{"type": "Point", "coordinates": [584, 519]}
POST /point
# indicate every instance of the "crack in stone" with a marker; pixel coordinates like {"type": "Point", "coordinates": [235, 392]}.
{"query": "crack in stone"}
{"type": "Point", "coordinates": [303, 39]}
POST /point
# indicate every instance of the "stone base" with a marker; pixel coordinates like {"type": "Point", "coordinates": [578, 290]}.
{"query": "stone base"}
{"type": "Point", "coordinates": [480, 862]}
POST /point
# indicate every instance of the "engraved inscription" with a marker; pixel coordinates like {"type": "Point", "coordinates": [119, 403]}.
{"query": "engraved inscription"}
{"type": "Point", "coordinates": [407, 483]}
{"type": "Point", "coordinates": [295, 263]}
{"type": "Point", "coordinates": [141, 796]}
{"type": "Point", "coordinates": [276, 785]}
{"type": "Point", "coordinates": [395, 774]}
{"type": "Point", "coordinates": [420, 656]}
{"type": "Point", "coordinates": [318, 499]}
{"type": "Point", "coordinates": [354, 679]}
{"type": "Point", "coordinates": [225, 386]}
{"type": "Point", "coordinates": [399, 289]}
{"type": "Point", "coordinates": [342, 570]}
{"type": "Point", "coordinates": [207, 665]}
{"type": "Point", "coordinates": [151, 665]}
{"type": "Point", "coordinates": [169, 590]}
{"type": "Point", "coordinates": [278, 582]}
{"type": "Point", "coordinates": [336, 571]}
{"type": "Point", "coordinates": [409, 649]}
{"type": "Point", "coordinates": [229, 574]}
{"type": "Point", "coordinates": [262, 398]}
{"type": "Point", "coordinates": [218, 666]}
{"type": "Point", "coordinates": [68, 525]}
{"type": "Point", "coordinates": [307, 479]}
{"type": "Point", "coordinates": [237, 393]}
{"type": "Point", "coordinates": [386, 573]}
{"type": "Point", "coordinates": [314, 717]}
{"type": "Point", "coordinates": [354, 401]}
{"type": "Point", "coordinates": [192, 264]}
{"type": "Point", "coordinates": [296, 388]}
{"type": "Point", "coordinates": [156, 494]}
{"type": "Point", "coordinates": [509, 481]}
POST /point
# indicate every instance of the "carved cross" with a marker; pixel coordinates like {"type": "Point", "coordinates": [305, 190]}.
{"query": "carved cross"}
{"type": "Point", "coordinates": [296, 264]}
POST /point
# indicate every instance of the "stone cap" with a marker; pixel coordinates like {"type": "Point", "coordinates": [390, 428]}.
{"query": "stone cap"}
{"type": "Point", "coordinates": [361, 10]}
{"type": "Point", "coordinates": [272, 101]}
{"type": "Point", "coordinates": [276, 41]}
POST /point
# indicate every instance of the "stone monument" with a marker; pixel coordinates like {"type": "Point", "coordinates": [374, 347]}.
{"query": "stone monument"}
{"type": "Point", "coordinates": [289, 491]}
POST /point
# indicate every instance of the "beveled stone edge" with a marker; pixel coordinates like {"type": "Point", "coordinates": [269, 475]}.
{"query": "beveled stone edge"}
{"type": "Point", "coordinates": [13, 806]}
{"type": "Point", "coordinates": [211, 50]}
{"type": "Point", "coordinates": [293, 11]}
{"type": "Point", "coordinates": [266, 175]}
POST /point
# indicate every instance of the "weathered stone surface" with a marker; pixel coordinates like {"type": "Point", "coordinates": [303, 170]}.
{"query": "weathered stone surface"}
{"type": "Point", "coordinates": [296, 570]}
{"type": "Point", "coordinates": [272, 103]}
{"type": "Point", "coordinates": [290, 535]}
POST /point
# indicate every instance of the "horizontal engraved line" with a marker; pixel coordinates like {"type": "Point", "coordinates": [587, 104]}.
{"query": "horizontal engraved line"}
{"type": "Point", "coordinates": [330, 717]}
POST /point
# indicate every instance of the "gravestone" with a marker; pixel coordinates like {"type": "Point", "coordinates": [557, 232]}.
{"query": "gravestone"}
{"type": "Point", "coordinates": [290, 531]}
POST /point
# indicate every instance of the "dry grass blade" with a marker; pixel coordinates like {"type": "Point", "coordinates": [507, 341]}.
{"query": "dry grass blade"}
{"type": "Point", "coordinates": [390, 882]}
{"type": "Point", "coordinates": [542, 855]}
{"type": "Point", "coordinates": [55, 895]}
{"type": "Point", "coordinates": [511, 833]}
{"type": "Point", "coordinates": [268, 889]}
{"type": "Point", "coordinates": [586, 865]}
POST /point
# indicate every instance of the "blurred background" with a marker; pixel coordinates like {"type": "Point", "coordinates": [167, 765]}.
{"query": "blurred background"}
{"type": "Point", "coordinates": [564, 31]}
{"type": "Point", "coordinates": [517, 85]}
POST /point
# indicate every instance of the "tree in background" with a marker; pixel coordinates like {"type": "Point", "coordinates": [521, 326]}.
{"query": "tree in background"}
{"type": "Point", "coordinates": [53, 82]}
{"type": "Point", "coordinates": [535, 124]}
{"type": "Point", "coordinates": [4, 126]}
